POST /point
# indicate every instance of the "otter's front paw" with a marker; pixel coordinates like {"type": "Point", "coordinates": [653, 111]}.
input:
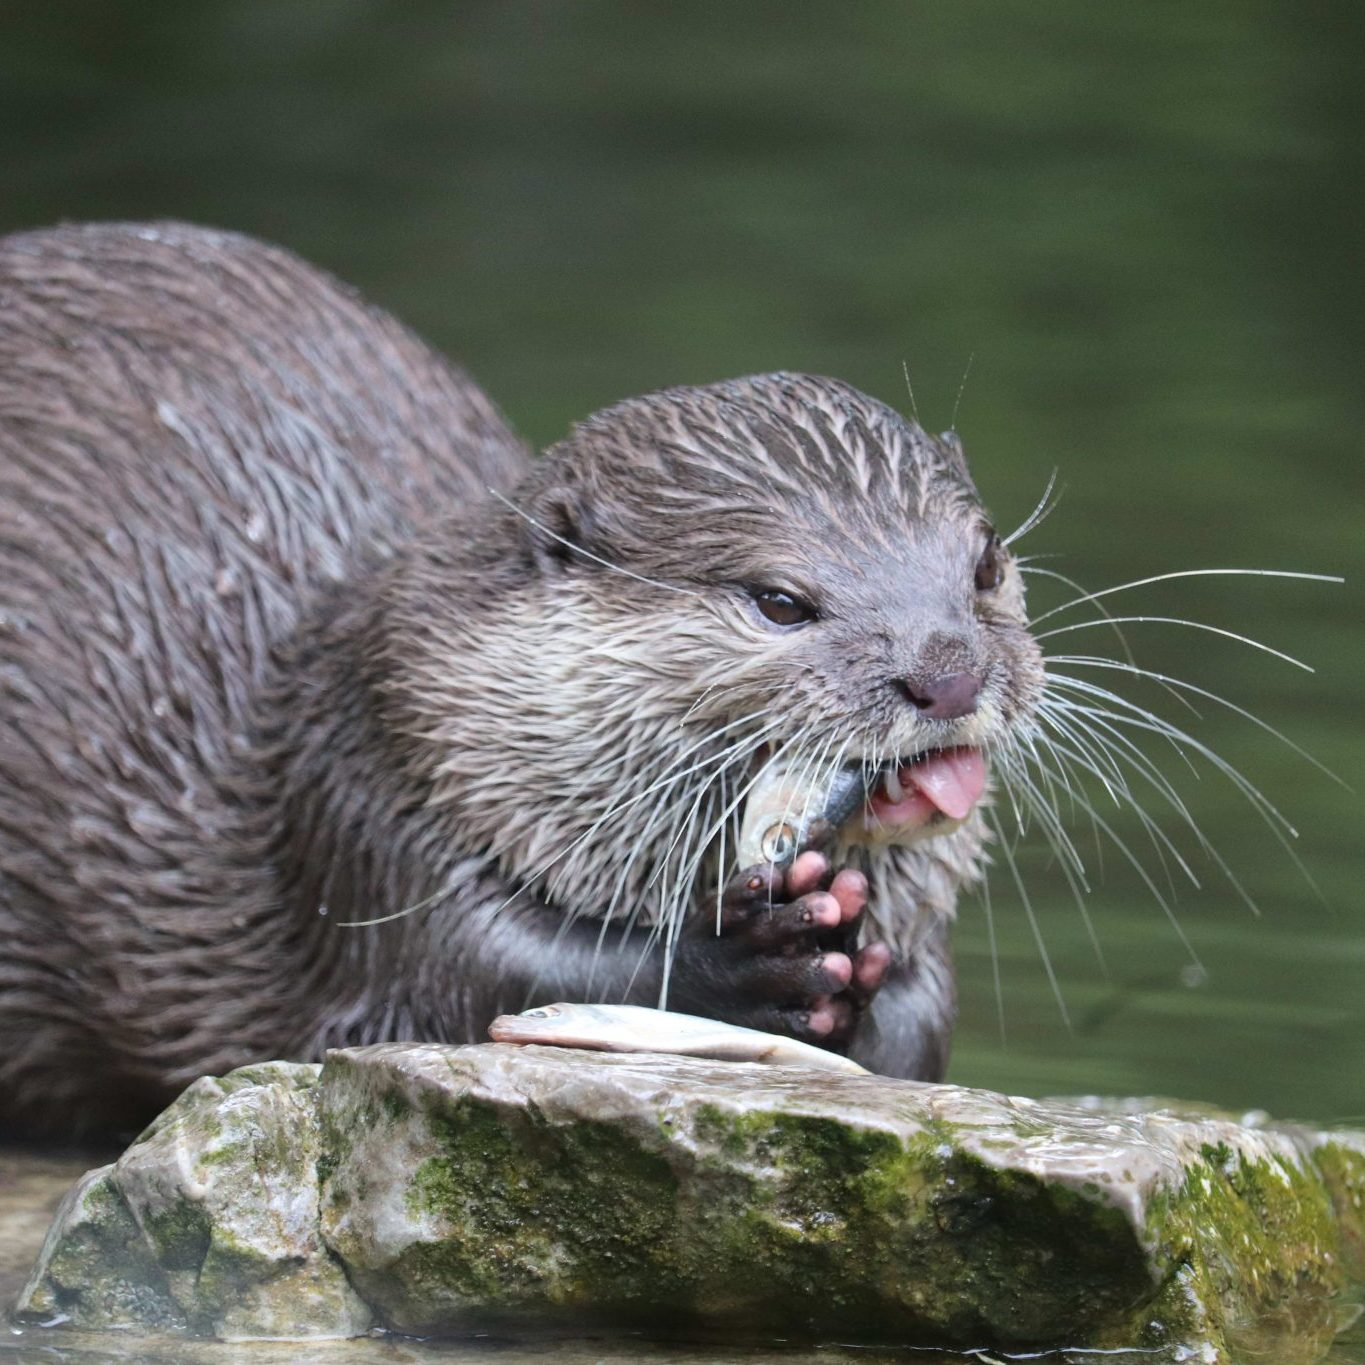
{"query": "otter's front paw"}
{"type": "Point", "coordinates": [783, 960]}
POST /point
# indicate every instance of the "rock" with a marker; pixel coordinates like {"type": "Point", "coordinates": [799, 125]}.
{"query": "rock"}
{"type": "Point", "coordinates": [497, 1188]}
{"type": "Point", "coordinates": [208, 1222]}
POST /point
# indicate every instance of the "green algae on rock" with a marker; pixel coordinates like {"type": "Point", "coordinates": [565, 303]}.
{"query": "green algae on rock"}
{"type": "Point", "coordinates": [208, 1222]}
{"type": "Point", "coordinates": [469, 1188]}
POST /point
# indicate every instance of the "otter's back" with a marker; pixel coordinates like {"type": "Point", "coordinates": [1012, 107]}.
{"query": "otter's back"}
{"type": "Point", "coordinates": [196, 425]}
{"type": "Point", "coordinates": [198, 435]}
{"type": "Point", "coordinates": [197, 432]}
{"type": "Point", "coordinates": [218, 397]}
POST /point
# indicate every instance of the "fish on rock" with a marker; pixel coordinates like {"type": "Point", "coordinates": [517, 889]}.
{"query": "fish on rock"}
{"type": "Point", "coordinates": [636, 1028]}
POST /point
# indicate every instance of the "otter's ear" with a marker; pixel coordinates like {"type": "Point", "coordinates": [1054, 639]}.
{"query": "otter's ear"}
{"type": "Point", "coordinates": [559, 528]}
{"type": "Point", "coordinates": [951, 444]}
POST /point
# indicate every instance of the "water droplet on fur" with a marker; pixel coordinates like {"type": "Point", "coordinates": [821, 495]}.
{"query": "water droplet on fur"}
{"type": "Point", "coordinates": [255, 528]}
{"type": "Point", "coordinates": [322, 909]}
{"type": "Point", "coordinates": [144, 819]}
{"type": "Point", "coordinates": [171, 418]}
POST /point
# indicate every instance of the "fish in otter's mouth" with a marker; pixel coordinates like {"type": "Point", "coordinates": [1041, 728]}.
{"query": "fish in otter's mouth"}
{"type": "Point", "coordinates": [795, 806]}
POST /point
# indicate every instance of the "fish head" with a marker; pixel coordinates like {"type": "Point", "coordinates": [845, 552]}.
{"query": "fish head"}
{"type": "Point", "coordinates": [544, 1023]}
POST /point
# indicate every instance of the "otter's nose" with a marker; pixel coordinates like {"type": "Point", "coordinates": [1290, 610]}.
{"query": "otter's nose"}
{"type": "Point", "coordinates": [943, 698]}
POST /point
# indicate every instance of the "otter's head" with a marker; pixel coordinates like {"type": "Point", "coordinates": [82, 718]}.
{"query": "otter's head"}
{"type": "Point", "coordinates": [708, 575]}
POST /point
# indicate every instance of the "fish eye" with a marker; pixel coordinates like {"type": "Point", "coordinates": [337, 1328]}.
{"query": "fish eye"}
{"type": "Point", "coordinates": [782, 609]}
{"type": "Point", "coordinates": [779, 843]}
{"type": "Point", "coordinates": [990, 568]}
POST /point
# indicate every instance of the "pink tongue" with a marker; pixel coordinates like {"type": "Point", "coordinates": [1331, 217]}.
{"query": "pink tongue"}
{"type": "Point", "coordinates": [953, 779]}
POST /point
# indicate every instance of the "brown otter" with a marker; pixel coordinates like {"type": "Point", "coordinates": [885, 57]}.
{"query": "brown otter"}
{"type": "Point", "coordinates": [273, 658]}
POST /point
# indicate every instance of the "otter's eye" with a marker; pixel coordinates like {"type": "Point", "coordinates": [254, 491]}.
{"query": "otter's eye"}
{"type": "Point", "coordinates": [990, 568]}
{"type": "Point", "coordinates": [782, 609]}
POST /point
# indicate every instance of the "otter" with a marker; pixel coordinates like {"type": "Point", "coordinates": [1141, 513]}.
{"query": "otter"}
{"type": "Point", "coordinates": [297, 635]}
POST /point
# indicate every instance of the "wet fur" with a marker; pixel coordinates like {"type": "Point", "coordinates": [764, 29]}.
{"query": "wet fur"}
{"type": "Point", "coordinates": [271, 658]}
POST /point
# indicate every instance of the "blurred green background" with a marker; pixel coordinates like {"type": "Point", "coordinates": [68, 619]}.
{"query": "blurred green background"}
{"type": "Point", "coordinates": [1142, 222]}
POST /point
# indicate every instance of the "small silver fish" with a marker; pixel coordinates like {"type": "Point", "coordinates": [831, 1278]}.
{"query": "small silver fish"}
{"type": "Point", "coordinates": [793, 808]}
{"type": "Point", "coordinates": [634, 1028]}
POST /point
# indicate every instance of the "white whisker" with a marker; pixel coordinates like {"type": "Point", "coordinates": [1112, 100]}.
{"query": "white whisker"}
{"type": "Point", "coordinates": [1188, 573]}
{"type": "Point", "coordinates": [1040, 513]}
{"type": "Point", "coordinates": [1029, 568]}
{"type": "Point", "coordinates": [1033, 920]}
{"type": "Point", "coordinates": [1087, 661]}
{"type": "Point", "coordinates": [995, 954]}
{"type": "Point", "coordinates": [1175, 621]}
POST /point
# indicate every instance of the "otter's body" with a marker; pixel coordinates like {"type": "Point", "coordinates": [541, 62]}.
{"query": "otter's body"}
{"type": "Point", "coordinates": [272, 658]}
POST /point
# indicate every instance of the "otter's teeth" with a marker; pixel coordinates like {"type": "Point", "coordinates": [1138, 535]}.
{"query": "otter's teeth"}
{"type": "Point", "coordinates": [893, 785]}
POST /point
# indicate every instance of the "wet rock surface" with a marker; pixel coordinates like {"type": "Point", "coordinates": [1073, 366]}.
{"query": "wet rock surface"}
{"type": "Point", "coordinates": [208, 1223]}
{"type": "Point", "coordinates": [445, 1190]}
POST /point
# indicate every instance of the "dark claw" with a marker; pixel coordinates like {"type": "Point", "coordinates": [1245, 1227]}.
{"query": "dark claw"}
{"type": "Point", "coordinates": [791, 924]}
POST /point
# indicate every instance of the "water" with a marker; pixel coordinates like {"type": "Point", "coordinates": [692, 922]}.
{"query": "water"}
{"type": "Point", "coordinates": [1140, 225]}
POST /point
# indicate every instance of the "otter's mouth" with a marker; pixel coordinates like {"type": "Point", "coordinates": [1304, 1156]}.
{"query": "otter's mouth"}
{"type": "Point", "coordinates": [794, 806]}
{"type": "Point", "coordinates": [927, 792]}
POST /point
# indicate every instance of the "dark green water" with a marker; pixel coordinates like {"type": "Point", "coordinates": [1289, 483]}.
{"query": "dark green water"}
{"type": "Point", "coordinates": [1140, 220]}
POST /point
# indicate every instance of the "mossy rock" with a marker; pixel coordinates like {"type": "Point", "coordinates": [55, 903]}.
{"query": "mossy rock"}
{"type": "Point", "coordinates": [96, 1269]}
{"type": "Point", "coordinates": [494, 1187]}
{"type": "Point", "coordinates": [462, 1189]}
{"type": "Point", "coordinates": [208, 1222]}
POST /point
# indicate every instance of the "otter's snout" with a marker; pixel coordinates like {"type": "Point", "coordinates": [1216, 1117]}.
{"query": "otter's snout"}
{"type": "Point", "coordinates": [946, 697]}
{"type": "Point", "coordinates": [944, 679]}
